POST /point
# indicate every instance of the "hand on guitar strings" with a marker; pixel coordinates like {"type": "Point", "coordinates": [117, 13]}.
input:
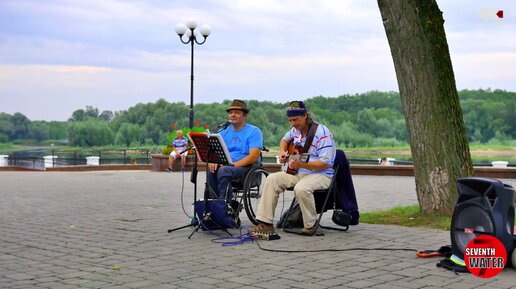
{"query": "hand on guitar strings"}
{"type": "Point", "coordinates": [283, 157]}
{"type": "Point", "coordinates": [294, 164]}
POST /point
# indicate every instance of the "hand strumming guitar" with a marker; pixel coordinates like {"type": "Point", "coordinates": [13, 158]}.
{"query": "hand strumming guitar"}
{"type": "Point", "coordinates": [283, 156]}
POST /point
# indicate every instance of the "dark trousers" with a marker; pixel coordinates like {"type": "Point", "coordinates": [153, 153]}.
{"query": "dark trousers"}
{"type": "Point", "coordinates": [220, 181]}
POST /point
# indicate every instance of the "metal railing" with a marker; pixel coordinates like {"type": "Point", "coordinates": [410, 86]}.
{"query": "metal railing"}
{"type": "Point", "coordinates": [39, 159]}
{"type": "Point", "coordinates": [407, 163]}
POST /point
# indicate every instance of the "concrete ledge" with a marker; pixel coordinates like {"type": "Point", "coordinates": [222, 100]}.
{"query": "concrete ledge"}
{"type": "Point", "coordinates": [127, 167]}
{"type": "Point", "coordinates": [371, 170]}
{"type": "Point", "coordinates": [17, 169]}
{"type": "Point", "coordinates": [160, 163]}
{"type": "Point", "coordinates": [497, 173]}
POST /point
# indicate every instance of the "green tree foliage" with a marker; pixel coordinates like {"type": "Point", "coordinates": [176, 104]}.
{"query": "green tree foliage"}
{"type": "Point", "coordinates": [90, 132]}
{"type": "Point", "coordinates": [155, 118]}
{"type": "Point", "coordinates": [130, 134]}
{"type": "Point", "coordinates": [20, 125]}
{"type": "Point", "coordinates": [57, 130]}
{"type": "Point", "coordinates": [106, 115]}
{"type": "Point", "coordinates": [361, 120]}
{"type": "Point", "coordinates": [78, 115]}
{"type": "Point", "coordinates": [6, 126]}
{"type": "Point", "coordinates": [39, 131]}
{"type": "Point", "coordinates": [489, 114]}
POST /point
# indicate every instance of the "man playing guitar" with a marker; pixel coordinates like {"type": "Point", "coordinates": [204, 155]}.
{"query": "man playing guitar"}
{"type": "Point", "coordinates": [293, 152]}
{"type": "Point", "coordinates": [316, 173]}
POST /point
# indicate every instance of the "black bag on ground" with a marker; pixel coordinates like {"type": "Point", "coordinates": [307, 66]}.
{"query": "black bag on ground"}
{"type": "Point", "coordinates": [341, 218]}
{"type": "Point", "coordinates": [221, 214]}
{"type": "Point", "coordinates": [295, 218]}
{"type": "Point", "coordinates": [448, 264]}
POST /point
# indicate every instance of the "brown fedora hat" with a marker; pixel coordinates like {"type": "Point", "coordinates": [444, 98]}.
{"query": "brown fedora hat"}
{"type": "Point", "coordinates": [238, 104]}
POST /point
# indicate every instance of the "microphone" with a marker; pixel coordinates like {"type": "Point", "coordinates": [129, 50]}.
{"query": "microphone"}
{"type": "Point", "coordinates": [223, 126]}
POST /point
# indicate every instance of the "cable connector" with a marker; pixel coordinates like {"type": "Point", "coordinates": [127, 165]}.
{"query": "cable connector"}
{"type": "Point", "coordinates": [266, 236]}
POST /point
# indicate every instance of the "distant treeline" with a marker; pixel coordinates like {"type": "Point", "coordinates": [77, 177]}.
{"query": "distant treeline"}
{"type": "Point", "coordinates": [361, 120]}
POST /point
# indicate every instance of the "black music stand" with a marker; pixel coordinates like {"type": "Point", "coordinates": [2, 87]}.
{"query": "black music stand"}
{"type": "Point", "coordinates": [209, 149]}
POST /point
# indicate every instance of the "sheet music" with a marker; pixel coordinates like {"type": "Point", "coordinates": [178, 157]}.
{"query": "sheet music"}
{"type": "Point", "coordinates": [212, 143]}
{"type": "Point", "coordinates": [222, 148]}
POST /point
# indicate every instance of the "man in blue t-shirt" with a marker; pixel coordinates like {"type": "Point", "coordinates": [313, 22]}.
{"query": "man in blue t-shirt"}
{"type": "Point", "coordinates": [244, 142]}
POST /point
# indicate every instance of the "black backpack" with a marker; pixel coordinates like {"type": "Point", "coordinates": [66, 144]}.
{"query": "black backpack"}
{"type": "Point", "coordinates": [295, 218]}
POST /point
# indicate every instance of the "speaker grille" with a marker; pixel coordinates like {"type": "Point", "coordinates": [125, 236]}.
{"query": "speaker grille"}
{"type": "Point", "coordinates": [469, 221]}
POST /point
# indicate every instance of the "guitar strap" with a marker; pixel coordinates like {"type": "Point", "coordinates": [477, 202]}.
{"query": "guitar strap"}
{"type": "Point", "coordinates": [310, 136]}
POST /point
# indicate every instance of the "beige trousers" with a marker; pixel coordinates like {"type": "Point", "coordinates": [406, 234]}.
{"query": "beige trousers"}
{"type": "Point", "coordinates": [304, 186]}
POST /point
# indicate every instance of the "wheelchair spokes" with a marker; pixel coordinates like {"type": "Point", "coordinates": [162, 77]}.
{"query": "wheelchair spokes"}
{"type": "Point", "coordinates": [252, 192]}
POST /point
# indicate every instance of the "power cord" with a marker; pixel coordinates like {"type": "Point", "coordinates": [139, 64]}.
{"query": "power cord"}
{"type": "Point", "coordinates": [248, 237]}
{"type": "Point", "coordinates": [333, 250]}
{"type": "Point", "coordinates": [182, 195]}
{"type": "Point", "coordinates": [235, 240]}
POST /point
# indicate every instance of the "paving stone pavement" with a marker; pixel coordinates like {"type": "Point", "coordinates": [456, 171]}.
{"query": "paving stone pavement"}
{"type": "Point", "coordinates": [108, 229]}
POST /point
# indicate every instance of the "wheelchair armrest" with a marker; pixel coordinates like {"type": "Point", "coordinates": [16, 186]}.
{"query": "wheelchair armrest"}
{"type": "Point", "coordinates": [256, 165]}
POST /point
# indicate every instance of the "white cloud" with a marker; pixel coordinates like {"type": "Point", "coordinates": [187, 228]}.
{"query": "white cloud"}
{"type": "Point", "coordinates": [56, 91]}
{"type": "Point", "coordinates": [482, 70]}
{"type": "Point", "coordinates": [113, 54]}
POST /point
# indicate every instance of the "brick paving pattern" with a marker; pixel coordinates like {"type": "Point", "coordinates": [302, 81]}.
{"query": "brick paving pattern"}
{"type": "Point", "coordinates": [108, 229]}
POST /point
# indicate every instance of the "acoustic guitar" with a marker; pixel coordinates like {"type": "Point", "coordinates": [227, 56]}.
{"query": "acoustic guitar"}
{"type": "Point", "coordinates": [300, 152]}
{"type": "Point", "coordinates": [294, 152]}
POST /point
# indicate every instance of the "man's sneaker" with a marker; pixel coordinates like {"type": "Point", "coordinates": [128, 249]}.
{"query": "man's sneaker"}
{"type": "Point", "coordinates": [169, 170]}
{"type": "Point", "coordinates": [262, 228]}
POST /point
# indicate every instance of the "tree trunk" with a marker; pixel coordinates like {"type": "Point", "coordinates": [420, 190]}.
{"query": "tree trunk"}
{"type": "Point", "coordinates": [430, 100]}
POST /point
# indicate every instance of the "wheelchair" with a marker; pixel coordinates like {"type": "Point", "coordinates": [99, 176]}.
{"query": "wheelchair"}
{"type": "Point", "coordinates": [247, 191]}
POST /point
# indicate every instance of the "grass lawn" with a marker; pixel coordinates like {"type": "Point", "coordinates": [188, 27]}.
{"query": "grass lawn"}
{"type": "Point", "coordinates": [408, 216]}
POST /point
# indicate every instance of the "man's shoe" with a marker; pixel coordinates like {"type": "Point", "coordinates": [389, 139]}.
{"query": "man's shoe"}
{"type": "Point", "coordinates": [308, 231]}
{"type": "Point", "coordinates": [262, 228]}
{"type": "Point", "coordinates": [169, 170]}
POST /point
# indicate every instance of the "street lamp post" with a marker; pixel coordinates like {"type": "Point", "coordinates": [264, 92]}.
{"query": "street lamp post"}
{"type": "Point", "coordinates": [189, 30]}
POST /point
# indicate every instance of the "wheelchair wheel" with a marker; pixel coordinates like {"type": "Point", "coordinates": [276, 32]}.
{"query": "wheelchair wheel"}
{"type": "Point", "coordinates": [253, 187]}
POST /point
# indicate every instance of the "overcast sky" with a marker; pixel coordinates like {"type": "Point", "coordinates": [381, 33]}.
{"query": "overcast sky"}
{"type": "Point", "coordinates": [57, 56]}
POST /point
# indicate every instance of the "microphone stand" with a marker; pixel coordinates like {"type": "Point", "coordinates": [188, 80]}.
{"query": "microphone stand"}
{"type": "Point", "coordinates": [193, 179]}
{"type": "Point", "coordinates": [223, 126]}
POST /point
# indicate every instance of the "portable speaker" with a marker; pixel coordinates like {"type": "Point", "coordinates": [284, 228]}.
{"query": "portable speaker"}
{"type": "Point", "coordinates": [484, 207]}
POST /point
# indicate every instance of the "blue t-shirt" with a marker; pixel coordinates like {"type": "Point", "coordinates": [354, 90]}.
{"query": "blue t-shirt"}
{"type": "Point", "coordinates": [322, 148]}
{"type": "Point", "coordinates": [240, 142]}
{"type": "Point", "coordinates": [180, 142]}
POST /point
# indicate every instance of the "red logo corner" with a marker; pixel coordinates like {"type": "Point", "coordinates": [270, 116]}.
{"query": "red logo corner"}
{"type": "Point", "coordinates": [485, 256]}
